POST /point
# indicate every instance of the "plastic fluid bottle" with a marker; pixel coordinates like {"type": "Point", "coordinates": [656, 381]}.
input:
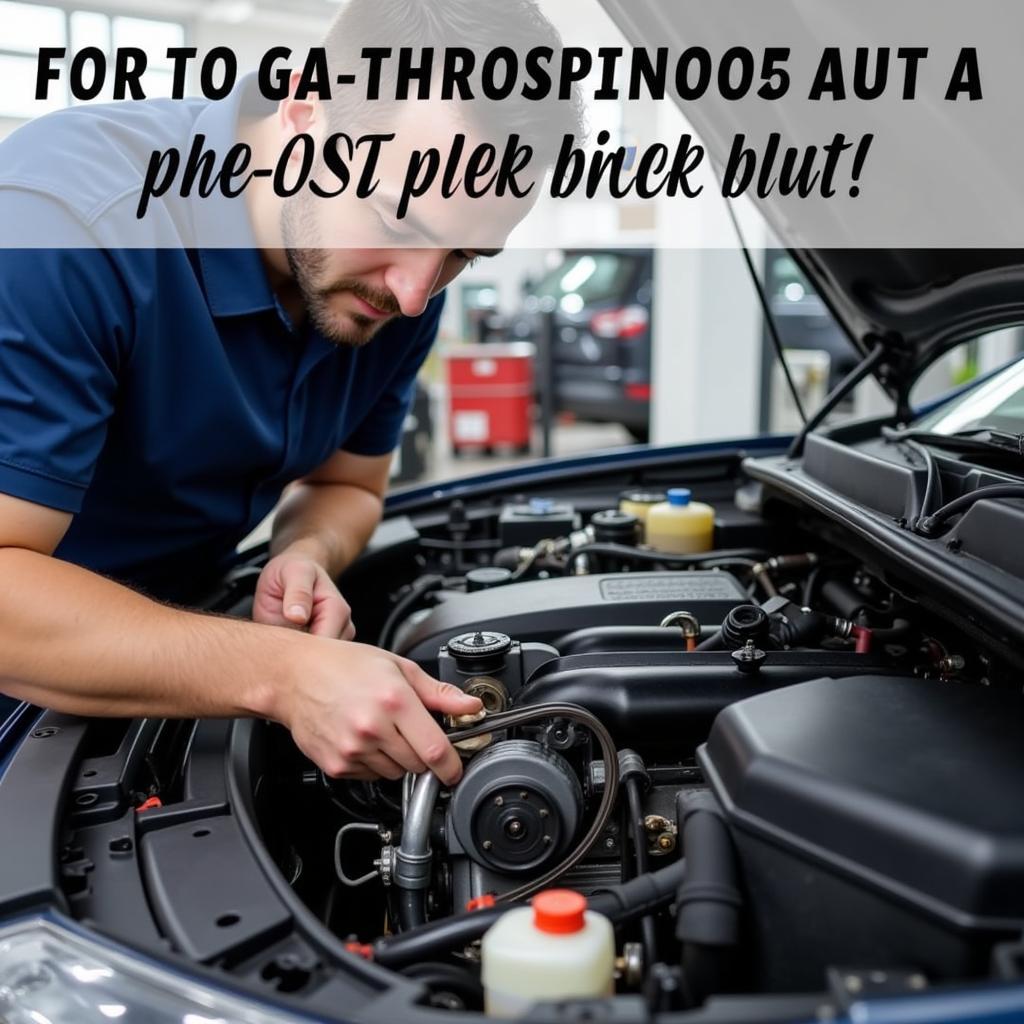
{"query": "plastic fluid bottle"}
{"type": "Point", "coordinates": [681, 526]}
{"type": "Point", "coordinates": [553, 949]}
{"type": "Point", "coordinates": [639, 504]}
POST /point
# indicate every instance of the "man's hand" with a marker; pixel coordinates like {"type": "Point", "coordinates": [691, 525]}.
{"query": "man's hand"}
{"type": "Point", "coordinates": [296, 591]}
{"type": "Point", "coordinates": [361, 713]}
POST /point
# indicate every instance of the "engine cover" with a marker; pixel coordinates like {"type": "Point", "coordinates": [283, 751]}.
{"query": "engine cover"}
{"type": "Point", "coordinates": [891, 804]}
{"type": "Point", "coordinates": [545, 610]}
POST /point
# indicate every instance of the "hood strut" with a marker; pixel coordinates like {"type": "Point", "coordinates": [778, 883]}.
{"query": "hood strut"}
{"type": "Point", "coordinates": [841, 390]}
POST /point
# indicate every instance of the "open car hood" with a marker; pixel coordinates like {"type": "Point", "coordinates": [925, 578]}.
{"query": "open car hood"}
{"type": "Point", "coordinates": [919, 303]}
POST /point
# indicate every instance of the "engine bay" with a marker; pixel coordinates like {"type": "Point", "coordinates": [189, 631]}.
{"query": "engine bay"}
{"type": "Point", "coordinates": [742, 756]}
{"type": "Point", "coordinates": [783, 768]}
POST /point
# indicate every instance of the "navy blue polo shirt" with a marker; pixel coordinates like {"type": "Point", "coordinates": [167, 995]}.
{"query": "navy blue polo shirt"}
{"type": "Point", "coordinates": [162, 395]}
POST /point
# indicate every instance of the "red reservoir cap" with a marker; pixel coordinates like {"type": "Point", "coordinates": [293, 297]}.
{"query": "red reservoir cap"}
{"type": "Point", "coordinates": [559, 911]}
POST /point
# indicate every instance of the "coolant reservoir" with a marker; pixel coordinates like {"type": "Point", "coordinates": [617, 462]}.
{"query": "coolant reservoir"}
{"type": "Point", "coordinates": [554, 949]}
{"type": "Point", "coordinates": [681, 526]}
{"type": "Point", "coordinates": [639, 504]}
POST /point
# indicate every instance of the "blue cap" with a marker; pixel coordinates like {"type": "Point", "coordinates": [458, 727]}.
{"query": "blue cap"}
{"type": "Point", "coordinates": [680, 496]}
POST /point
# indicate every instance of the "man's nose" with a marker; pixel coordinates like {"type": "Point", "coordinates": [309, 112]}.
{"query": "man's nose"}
{"type": "Point", "coordinates": [412, 278]}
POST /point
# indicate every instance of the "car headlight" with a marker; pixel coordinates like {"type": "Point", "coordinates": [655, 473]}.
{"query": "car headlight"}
{"type": "Point", "coordinates": [50, 975]}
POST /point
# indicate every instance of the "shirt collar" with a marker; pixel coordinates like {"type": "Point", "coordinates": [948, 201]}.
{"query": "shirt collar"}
{"type": "Point", "coordinates": [231, 264]}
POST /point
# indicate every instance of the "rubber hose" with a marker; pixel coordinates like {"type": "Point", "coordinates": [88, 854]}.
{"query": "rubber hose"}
{"type": "Point", "coordinates": [844, 599]}
{"type": "Point", "coordinates": [405, 605]}
{"type": "Point", "coordinates": [930, 525]}
{"type": "Point", "coordinates": [412, 910]}
{"type": "Point", "coordinates": [636, 821]}
{"type": "Point", "coordinates": [709, 901]}
{"type": "Point", "coordinates": [694, 561]}
{"type": "Point", "coordinates": [620, 904]}
{"type": "Point", "coordinates": [715, 642]}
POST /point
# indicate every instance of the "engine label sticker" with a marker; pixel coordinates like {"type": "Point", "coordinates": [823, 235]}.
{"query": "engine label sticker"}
{"type": "Point", "coordinates": [690, 587]}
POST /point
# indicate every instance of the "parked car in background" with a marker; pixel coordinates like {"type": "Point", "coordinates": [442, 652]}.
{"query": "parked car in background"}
{"type": "Point", "coordinates": [601, 359]}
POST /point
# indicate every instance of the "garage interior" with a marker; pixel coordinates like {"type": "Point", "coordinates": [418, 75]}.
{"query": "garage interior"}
{"type": "Point", "coordinates": [665, 304]}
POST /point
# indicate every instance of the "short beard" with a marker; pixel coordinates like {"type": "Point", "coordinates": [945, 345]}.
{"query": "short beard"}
{"type": "Point", "coordinates": [308, 267]}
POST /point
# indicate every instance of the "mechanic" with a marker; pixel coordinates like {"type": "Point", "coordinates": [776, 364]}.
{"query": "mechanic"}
{"type": "Point", "coordinates": [156, 403]}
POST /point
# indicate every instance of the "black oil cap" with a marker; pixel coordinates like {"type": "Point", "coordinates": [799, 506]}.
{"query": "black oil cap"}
{"type": "Point", "coordinates": [486, 578]}
{"type": "Point", "coordinates": [615, 527]}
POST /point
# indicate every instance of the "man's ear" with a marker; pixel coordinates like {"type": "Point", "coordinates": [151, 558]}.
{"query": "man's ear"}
{"type": "Point", "coordinates": [299, 116]}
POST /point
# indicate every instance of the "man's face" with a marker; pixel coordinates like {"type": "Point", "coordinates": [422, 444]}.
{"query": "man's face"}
{"type": "Point", "coordinates": [350, 294]}
{"type": "Point", "coordinates": [384, 272]}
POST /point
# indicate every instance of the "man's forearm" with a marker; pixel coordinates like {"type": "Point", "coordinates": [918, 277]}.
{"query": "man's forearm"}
{"type": "Point", "coordinates": [76, 642]}
{"type": "Point", "coordinates": [330, 522]}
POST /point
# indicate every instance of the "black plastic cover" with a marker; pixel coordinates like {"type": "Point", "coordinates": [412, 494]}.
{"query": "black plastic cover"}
{"type": "Point", "coordinates": [911, 786]}
{"type": "Point", "coordinates": [543, 610]}
{"type": "Point", "coordinates": [868, 479]}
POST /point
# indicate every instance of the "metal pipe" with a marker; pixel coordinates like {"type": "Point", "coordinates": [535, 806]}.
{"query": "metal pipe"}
{"type": "Point", "coordinates": [414, 857]}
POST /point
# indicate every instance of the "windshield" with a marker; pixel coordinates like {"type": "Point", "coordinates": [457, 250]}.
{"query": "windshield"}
{"type": "Point", "coordinates": [998, 403]}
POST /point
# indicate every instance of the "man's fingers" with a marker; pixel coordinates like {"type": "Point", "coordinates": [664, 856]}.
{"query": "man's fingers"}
{"type": "Point", "coordinates": [331, 618]}
{"type": "Point", "coordinates": [430, 744]}
{"type": "Point", "coordinates": [299, 582]}
{"type": "Point", "coordinates": [382, 766]}
{"type": "Point", "coordinates": [438, 696]}
{"type": "Point", "coordinates": [398, 749]}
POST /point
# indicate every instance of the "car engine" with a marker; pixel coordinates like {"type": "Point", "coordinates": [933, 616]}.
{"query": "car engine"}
{"type": "Point", "coordinates": [741, 756]}
{"type": "Point", "coordinates": [782, 767]}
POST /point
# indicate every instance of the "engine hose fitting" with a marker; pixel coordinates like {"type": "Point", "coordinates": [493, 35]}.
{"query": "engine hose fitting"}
{"type": "Point", "coordinates": [631, 766]}
{"type": "Point", "coordinates": [781, 563]}
{"type": "Point", "coordinates": [760, 574]}
{"type": "Point", "coordinates": [413, 862]}
{"type": "Point", "coordinates": [688, 623]}
{"type": "Point", "coordinates": [793, 626]}
{"type": "Point", "coordinates": [864, 638]}
{"type": "Point", "coordinates": [793, 563]}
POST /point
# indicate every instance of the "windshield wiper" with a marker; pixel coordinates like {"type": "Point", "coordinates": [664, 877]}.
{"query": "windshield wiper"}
{"type": "Point", "coordinates": [976, 441]}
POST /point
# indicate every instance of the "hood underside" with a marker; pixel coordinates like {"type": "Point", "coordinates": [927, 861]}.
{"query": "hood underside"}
{"type": "Point", "coordinates": [919, 302]}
